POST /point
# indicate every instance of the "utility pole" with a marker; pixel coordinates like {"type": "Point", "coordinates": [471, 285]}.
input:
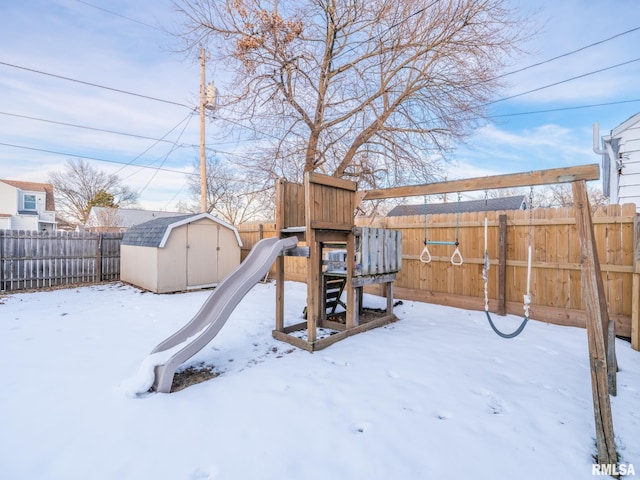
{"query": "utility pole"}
{"type": "Point", "coordinates": [203, 159]}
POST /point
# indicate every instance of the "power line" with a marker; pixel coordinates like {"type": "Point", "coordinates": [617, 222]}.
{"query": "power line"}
{"type": "Point", "coordinates": [561, 82]}
{"type": "Point", "coordinates": [88, 158]}
{"type": "Point", "coordinates": [577, 107]}
{"type": "Point", "coordinates": [175, 145]}
{"type": "Point", "coordinates": [188, 117]}
{"type": "Point", "coordinates": [119, 15]}
{"type": "Point", "coordinates": [115, 132]}
{"type": "Point", "coordinates": [96, 85]}
{"type": "Point", "coordinates": [600, 42]}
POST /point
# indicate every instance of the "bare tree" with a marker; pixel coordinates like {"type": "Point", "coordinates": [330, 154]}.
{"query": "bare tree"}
{"type": "Point", "coordinates": [106, 219]}
{"type": "Point", "coordinates": [373, 90]}
{"type": "Point", "coordinates": [234, 197]}
{"type": "Point", "coordinates": [561, 195]}
{"type": "Point", "coordinates": [79, 185]}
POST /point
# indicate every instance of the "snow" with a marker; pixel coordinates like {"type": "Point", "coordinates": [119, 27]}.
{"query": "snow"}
{"type": "Point", "coordinates": [434, 395]}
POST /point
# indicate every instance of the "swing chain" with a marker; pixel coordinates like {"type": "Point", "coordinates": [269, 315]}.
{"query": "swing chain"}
{"type": "Point", "coordinates": [527, 295]}
{"type": "Point", "coordinates": [487, 261]}
{"type": "Point", "coordinates": [425, 255]}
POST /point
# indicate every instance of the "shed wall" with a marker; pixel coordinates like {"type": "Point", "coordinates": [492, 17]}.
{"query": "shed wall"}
{"type": "Point", "coordinates": [172, 262]}
{"type": "Point", "coordinates": [139, 266]}
{"type": "Point", "coordinates": [229, 253]}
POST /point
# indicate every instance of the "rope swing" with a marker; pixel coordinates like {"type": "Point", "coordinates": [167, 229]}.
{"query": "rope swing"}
{"type": "Point", "coordinates": [456, 257]}
{"type": "Point", "coordinates": [485, 276]}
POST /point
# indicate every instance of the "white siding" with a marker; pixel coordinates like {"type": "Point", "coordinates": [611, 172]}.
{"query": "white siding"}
{"type": "Point", "coordinates": [8, 199]}
{"type": "Point", "coordinates": [629, 178]}
{"type": "Point", "coordinates": [24, 222]}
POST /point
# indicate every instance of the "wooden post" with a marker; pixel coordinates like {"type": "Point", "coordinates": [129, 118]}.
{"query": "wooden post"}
{"type": "Point", "coordinates": [99, 258]}
{"type": "Point", "coordinates": [635, 312]}
{"type": "Point", "coordinates": [280, 293]}
{"type": "Point", "coordinates": [352, 319]}
{"type": "Point", "coordinates": [635, 295]}
{"type": "Point", "coordinates": [590, 277]}
{"type": "Point", "coordinates": [502, 265]}
{"type": "Point", "coordinates": [314, 287]}
{"type": "Point", "coordinates": [2, 280]}
{"type": "Point", "coordinates": [280, 260]}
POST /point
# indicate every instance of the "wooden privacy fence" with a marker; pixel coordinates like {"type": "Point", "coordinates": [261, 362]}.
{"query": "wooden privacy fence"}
{"type": "Point", "coordinates": [32, 259]}
{"type": "Point", "coordinates": [555, 278]}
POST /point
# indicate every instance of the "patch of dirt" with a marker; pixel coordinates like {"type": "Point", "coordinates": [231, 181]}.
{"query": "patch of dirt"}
{"type": "Point", "coordinates": [193, 375]}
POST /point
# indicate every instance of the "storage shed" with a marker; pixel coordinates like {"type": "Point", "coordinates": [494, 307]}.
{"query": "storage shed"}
{"type": "Point", "coordinates": [178, 253]}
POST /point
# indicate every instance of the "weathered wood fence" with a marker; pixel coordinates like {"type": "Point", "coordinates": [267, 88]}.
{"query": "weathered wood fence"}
{"type": "Point", "coordinates": [32, 259]}
{"type": "Point", "coordinates": [555, 278]}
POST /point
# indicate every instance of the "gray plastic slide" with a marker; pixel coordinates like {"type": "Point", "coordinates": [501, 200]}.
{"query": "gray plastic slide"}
{"type": "Point", "coordinates": [215, 311]}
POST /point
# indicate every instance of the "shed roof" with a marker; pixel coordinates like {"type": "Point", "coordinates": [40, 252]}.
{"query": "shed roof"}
{"type": "Point", "coordinates": [488, 205]}
{"type": "Point", "coordinates": [155, 233]}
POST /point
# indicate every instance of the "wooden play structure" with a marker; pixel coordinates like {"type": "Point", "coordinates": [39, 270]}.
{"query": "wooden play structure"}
{"type": "Point", "coordinates": [320, 213]}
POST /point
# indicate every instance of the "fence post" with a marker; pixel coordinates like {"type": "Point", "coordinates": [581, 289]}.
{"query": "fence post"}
{"type": "Point", "coordinates": [2, 286]}
{"type": "Point", "coordinates": [635, 295]}
{"type": "Point", "coordinates": [502, 265]}
{"type": "Point", "coordinates": [99, 258]}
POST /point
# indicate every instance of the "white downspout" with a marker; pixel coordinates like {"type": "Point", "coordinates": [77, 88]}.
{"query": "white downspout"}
{"type": "Point", "coordinates": [596, 139]}
{"type": "Point", "coordinates": [614, 181]}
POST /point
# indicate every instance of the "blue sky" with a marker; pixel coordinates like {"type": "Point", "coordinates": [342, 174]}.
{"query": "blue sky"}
{"type": "Point", "coordinates": [72, 39]}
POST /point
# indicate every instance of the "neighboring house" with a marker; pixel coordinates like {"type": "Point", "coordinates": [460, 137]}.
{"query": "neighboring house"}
{"type": "Point", "coordinates": [114, 220]}
{"type": "Point", "coordinates": [27, 206]}
{"type": "Point", "coordinates": [489, 205]}
{"type": "Point", "coordinates": [621, 162]}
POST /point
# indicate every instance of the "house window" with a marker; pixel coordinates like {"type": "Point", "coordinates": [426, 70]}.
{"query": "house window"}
{"type": "Point", "coordinates": [29, 202]}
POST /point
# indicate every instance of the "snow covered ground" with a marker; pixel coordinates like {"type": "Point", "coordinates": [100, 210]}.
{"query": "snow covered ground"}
{"type": "Point", "coordinates": [436, 395]}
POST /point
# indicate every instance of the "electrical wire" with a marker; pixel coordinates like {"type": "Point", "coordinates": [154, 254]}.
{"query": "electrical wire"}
{"type": "Point", "coordinates": [577, 107]}
{"type": "Point", "coordinates": [120, 15]}
{"type": "Point", "coordinates": [61, 77]}
{"type": "Point", "coordinates": [187, 119]}
{"type": "Point", "coordinates": [165, 157]}
{"type": "Point", "coordinates": [95, 129]}
{"type": "Point", "coordinates": [67, 154]}
{"type": "Point", "coordinates": [561, 82]}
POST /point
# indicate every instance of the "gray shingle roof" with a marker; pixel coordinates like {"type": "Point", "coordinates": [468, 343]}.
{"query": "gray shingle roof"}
{"type": "Point", "coordinates": [151, 233]}
{"type": "Point", "coordinates": [155, 233]}
{"type": "Point", "coordinates": [490, 205]}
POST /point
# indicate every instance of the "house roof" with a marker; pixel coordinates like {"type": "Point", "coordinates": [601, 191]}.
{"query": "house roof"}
{"type": "Point", "coordinates": [47, 188]}
{"type": "Point", "coordinates": [489, 205]}
{"type": "Point", "coordinates": [155, 233]}
{"type": "Point", "coordinates": [125, 217]}
{"type": "Point", "coordinates": [628, 123]}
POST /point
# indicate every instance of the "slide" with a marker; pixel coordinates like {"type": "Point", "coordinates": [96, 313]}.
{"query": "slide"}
{"type": "Point", "coordinates": [215, 311]}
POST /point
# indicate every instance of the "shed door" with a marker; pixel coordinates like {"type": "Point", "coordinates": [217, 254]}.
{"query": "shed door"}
{"type": "Point", "coordinates": [202, 254]}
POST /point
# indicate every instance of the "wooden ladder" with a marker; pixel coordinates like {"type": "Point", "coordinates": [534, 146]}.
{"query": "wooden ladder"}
{"type": "Point", "coordinates": [333, 288]}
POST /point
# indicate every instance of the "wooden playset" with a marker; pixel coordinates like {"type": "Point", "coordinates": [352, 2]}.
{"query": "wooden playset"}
{"type": "Point", "coordinates": [320, 213]}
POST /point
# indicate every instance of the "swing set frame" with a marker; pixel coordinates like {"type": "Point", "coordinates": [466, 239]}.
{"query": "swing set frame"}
{"type": "Point", "coordinates": [601, 343]}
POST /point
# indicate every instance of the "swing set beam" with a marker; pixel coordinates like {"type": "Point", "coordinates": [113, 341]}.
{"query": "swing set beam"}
{"type": "Point", "coordinates": [510, 180]}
